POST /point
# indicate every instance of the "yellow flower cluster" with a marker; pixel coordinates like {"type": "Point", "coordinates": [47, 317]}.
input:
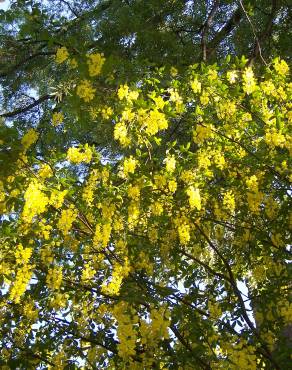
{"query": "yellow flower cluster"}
{"type": "Point", "coordinates": [249, 82]}
{"type": "Point", "coordinates": [45, 171]}
{"type": "Point", "coordinates": [102, 235]}
{"type": "Point", "coordinates": [183, 229]}
{"type": "Point", "coordinates": [22, 255]}
{"type": "Point", "coordinates": [154, 122]}
{"type": "Point", "coordinates": [61, 55]}
{"type": "Point", "coordinates": [196, 86]}
{"type": "Point", "coordinates": [22, 279]}
{"type": "Point", "coordinates": [95, 62]}
{"type": "Point", "coordinates": [156, 208]}
{"type": "Point", "coordinates": [88, 190]}
{"type": "Point", "coordinates": [68, 216]}
{"type": "Point", "coordinates": [126, 332]}
{"type": "Point", "coordinates": [57, 118]}
{"type": "Point", "coordinates": [88, 272]}
{"type": "Point", "coordinates": [202, 132]}
{"type": "Point", "coordinates": [35, 201]}
{"type": "Point", "coordinates": [121, 134]}
{"type": "Point", "coordinates": [229, 201]}
{"type": "Point", "coordinates": [170, 163]}
{"type": "Point", "coordinates": [134, 192]}
{"type": "Point", "coordinates": [159, 323]}
{"type": "Point", "coordinates": [130, 165]}
{"type": "Point", "coordinates": [194, 198]}
{"type": "Point", "coordinates": [232, 76]}
{"type": "Point", "coordinates": [281, 67]}
{"type": "Point", "coordinates": [29, 138]}
{"type": "Point", "coordinates": [120, 271]}
{"type": "Point", "coordinates": [85, 90]}
{"type": "Point", "coordinates": [243, 357]}
{"type": "Point", "coordinates": [77, 155]}
{"type": "Point", "coordinates": [57, 198]}
{"type": "Point", "coordinates": [274, 138]}
{"type": "Point", "coordinates": [125, 93]}
{"type": "Point", "coordinates": [254, 200]}
{"type": "Point", "coordinates": [54, 278]}
{"type": "Point", "coordinates": [133, 214]}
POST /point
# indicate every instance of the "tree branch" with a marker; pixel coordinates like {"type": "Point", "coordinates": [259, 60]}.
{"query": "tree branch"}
{"type": "Point", "coordinates": [225, 30]}
{"type": "Point", "coordinates": [206, 28]}
{"type": "Point", "coordinates": [27, 107]}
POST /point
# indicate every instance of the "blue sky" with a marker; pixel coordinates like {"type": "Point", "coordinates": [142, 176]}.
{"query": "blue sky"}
{"type": "Point", "coordinates": [4, 4]}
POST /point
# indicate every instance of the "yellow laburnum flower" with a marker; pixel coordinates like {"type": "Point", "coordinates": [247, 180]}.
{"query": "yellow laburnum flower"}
{"type": "Point", "coordinates": [232, 76]}
{"type": "Point", "coordinates": [184, 233]}
{"type": "Point", "coordinates": [45, 171]}
{"type": "Point", "coordinates": [134, 192]}
{"type": "Point", "coordinates": [129, 165]}
{"type": "Point", "coordinates": [202, 133]}
{"type": "Point", "coordinates": [229, 201]}
{"type": "Point", "coordinates": [35, 201]}
{"type": "Point", "coordinates": [68, 216]}
{"type": "Point", "coordinates": [76, 155]}
{"type": "Point", "coordinates": [85, 90]}
{"type": "Point", "coordinates": [29, 138]}
{"type": "Point", "coordinates": [21, 282]}
{"type": "Point", "coordinates": [204, 98]}
{"type": "Point", "coordinates": [54, 278]}
{"type": "Point", "coordinates": [194, 197]}
{"type": "Point", "coordinates": [22, 255]}
{"type": "Point", "coordinates": [249, 82]}
{"type": "Point", "coordinates": [106, 112]}
{"type": "Point", "coordinates": [157, 208]}
{"type": "Point", "coordinates": [57, 198]}
{"type": "Point", "coordinates": [196, 86]}
{"type": "Point", "coordinates": [252, 183]}
{"type": "Point", "coordinates": [95, 63]}
{"type": "Point", "coordinates": [170, 163]}
{"type": "Point", "coordinates": [123, 92]}
{"type": "Point", "coordinates": [172, 186]}
{"type": "Point", "coordinates": [281, 67]}
{"type": "Point", "coordinates": [57, 118]}
{"type": "Point", "coordinates": [61, 55]}
{"type": "Point", "coordinates": [155, 121]}
{"type": "Point", "coordinates": [121, 134]}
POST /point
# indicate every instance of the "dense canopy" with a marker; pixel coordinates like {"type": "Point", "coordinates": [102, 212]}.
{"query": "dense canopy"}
{"type": "Point", "coordinates": [145, 185]}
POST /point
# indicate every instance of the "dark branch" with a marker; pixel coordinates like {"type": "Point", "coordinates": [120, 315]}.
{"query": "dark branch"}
{"type": "Point", "coordinates": [206, 28]}
{"type": "Point", "coordinates": [27, 107]}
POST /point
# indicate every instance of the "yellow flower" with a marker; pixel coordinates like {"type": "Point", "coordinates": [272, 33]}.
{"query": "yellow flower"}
{"type": "Point", "coordinates": [29, 138]}
{"type": "Point", "coordinates": [155, 121]}
{"type": "Point", "coordinates": [75, 155]}
{"type": "Point", "coordinates": [232, 76]}
{"type": "Point", "coordinates": [57, 118]}
{"type": "Point", "coordinates": [35, 201]}
{"type": "Point", "coordinates": [45, 171]}
{"type": "Point", "coordinates": [229, 201]}
{"type": "Point", "coordinates": [54, 278]}
{"type": "Point", "coordinates": [121, 134]}
{"type": "Point", "coordinates": [123, 92]}
{"type": "Point", "coordinates": [172, 186]}
{"type": "Point", "coordinates": [68, 216]}
{"type": "Point", "coordinates": [194, 197]}
{"type": "Point", "coordinates": [85, 90]}
{"type": "Point", "coordinates": [196, 86]}
{"type": "Point", "coordinates": [61, 55]}
{"type": "Point", "coordinates": [95, 63]}
{"type": "Point", "coordinates": [129, 165]}
{"type": "Point", "coordinates": [170, 163]}
{"type": "Point", "coordinates": [281, 67]}
{"type": "Point", "coordinates": [249, 82]}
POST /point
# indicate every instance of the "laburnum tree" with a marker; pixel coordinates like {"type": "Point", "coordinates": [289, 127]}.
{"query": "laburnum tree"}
{"type": "Point", "coordinates": [145, 185]}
